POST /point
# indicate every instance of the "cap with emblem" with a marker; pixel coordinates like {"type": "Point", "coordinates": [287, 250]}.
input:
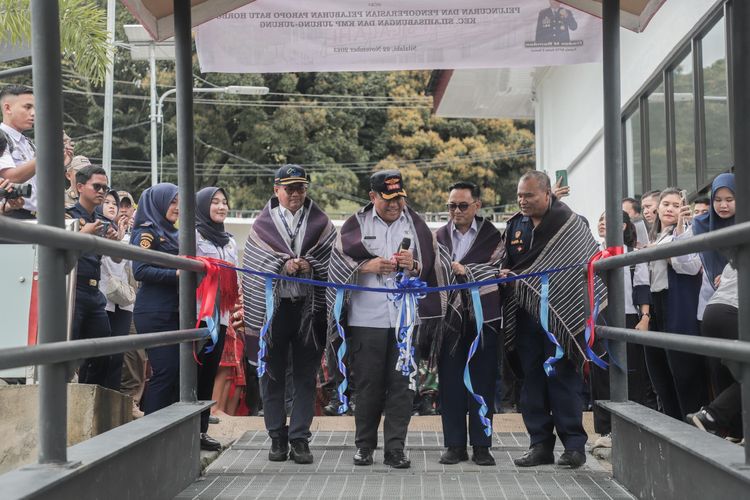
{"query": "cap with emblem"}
{"type": "Point", "coordinates": [388, 183]}
{"type": "Point", "coordinates": [78, 162]}
{"type": "Point", "coordinates": [290, 174]}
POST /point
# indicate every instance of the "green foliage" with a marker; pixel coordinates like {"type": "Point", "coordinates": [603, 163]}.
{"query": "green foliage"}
{"type": "Point", "coordinates": [83, 33]}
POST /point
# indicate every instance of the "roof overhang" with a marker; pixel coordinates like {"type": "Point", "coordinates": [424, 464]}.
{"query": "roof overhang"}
{"type": "Point", "coordinates": [634, 14]}
{"type": "Point", "coordinates": [484, 93]}
{"type": "Point", "coordinates": [157, 16]}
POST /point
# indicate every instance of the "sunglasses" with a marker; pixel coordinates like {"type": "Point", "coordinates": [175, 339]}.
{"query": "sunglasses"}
{"type": "Point", "coordinates": [299, 188]}
{"type": "Point", "coordinates": [100, 187]}
{"type": "Point", "coordinates": [462, 207]}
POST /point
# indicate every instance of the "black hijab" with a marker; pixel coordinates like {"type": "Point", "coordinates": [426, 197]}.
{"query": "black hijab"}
{"type": "Point", "coordinates": [212, 231]}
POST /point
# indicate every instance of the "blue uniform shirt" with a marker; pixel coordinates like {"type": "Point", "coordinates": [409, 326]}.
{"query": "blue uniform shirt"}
{"type": "Point", "coordinates": [89, 264]}
{"type": "Point", "coordinates": [519, 235]}
{"type": "Point", "coordinates": [158, 291]}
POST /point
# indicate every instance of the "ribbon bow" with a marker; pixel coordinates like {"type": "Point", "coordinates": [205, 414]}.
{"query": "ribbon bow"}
{"type": "Point", "coordinates": [407, 295]}
{"type": "Point", "coordinates": [220, 282]}
{"type": "Point", "coordinates": [590, 332]}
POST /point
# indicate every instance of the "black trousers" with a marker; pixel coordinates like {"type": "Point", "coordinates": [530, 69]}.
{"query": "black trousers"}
{"type": "Point", "coordinates": [163, 386]}
{"type": "Point", "coordinates": [285, 335]}
{"type": "Point", "coordinates": [208, 365]}
{"type": "Point", "coordinates": [720, 321]}
{"type": "Point", "coordinates": [680, 379]}
{"type": "Point", "coordinates": [381, 389]}
{"type": "Point", "coordinates": [455, 399]}
{"type": "Point", "coordinates": [548, 402]}
{"type": "Point", "coordinates": [119, 323]}
{"type": "Point", "coordinates": [90, 321]}
{"type": "Point", "coordinates": [639, 385]}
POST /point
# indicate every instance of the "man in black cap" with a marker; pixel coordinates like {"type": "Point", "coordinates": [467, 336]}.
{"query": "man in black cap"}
{"type": "Point", "coordinates": [291, 236]}
{"type": "Point", "coordinates": [383, 238]}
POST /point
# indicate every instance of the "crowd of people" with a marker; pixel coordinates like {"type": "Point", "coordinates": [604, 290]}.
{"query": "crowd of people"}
{"type": "Point", "coordinates": [279, 343]}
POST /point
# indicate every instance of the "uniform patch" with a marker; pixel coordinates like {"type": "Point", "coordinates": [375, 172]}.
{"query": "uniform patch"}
{"type": "Point", "coordinates": [146, 240]}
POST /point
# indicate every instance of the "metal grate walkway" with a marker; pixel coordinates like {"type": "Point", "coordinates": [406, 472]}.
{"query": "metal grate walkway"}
{"type": "Point", "coordinates": [243, 471]}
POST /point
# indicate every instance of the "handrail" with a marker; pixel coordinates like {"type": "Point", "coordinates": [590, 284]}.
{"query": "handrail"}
{"type": "Point", "coordinates": [61, 352]}
{"type": "Point", "coordinates": [736, 235]}
{"type": "Point", "coordinates": [735, 350]}
{"type": "Point", "coordinates": [23, 232]}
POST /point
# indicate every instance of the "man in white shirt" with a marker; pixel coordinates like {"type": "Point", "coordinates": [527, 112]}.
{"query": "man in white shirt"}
{"type": "Point", "coordinates": [477, 249]}
{"type": "Point", "coordinates": [17, 103]}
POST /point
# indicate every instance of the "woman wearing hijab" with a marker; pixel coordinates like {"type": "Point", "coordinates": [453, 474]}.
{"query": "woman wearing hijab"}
{"type": "Point", "coordinates": [720, 316]}
{"type": "Point", "coordinates": [117, 285]}
{"type": "Point", "coordinates": [157, 302]}
{"type": "Point", "coordinates": [212, 240]}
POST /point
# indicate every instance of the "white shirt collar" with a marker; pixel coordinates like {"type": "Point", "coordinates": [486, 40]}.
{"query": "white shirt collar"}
{"type": "Point", "coordinates": [13, 133]}
{"type": "Point", "coordinates": [473, 228]}
{"type": "Point", "coordinates": [287, 214]}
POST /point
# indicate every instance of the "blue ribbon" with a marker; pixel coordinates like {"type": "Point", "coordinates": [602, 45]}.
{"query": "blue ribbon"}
{"type": "Point", "coordinates": [407, 320]}
{"type": "Point", "coordinates": [262, 345]}
{"type": "Point", "coordinates": [341, 389]}
{"type": "Point", "coordinates": [213, 325]}
{"type": "Point", "coordinates": [587, 335]}
{"type": "Point", "coordinates": [479, 320]}
{"type": "Point", "coordinates": [549, 368]}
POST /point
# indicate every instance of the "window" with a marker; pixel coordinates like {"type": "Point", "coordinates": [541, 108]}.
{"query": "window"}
{"type": "Point", "coordinates": [633, 163]}
{"type": "Point", "coordinates": [684, 113]}
{"type": "Point", "coordinates": [657, 135]}
{"type": "Point", "coordinates": [716, 102]}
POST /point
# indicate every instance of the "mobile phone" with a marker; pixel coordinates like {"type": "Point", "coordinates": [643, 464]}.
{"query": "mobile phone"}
{"type": "Point", "coordinates": [105, 227]}
{"type": "Point", "coordinates": [562, 177]}
{"type": "Point", "coordinates": [684, 196]}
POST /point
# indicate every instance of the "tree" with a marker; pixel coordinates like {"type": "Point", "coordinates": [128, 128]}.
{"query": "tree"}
{"type": "Point", "coordinates": [83, 33]}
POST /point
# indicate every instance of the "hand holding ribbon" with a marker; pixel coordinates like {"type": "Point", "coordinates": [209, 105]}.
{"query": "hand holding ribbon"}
{"type": "Point", "coordinates": [219, 282]}
{"type": "Point", "coordinates": [590, 332]}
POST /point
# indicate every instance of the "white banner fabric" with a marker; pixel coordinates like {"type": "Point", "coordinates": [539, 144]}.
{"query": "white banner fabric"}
{"type": "Point", "coordinates": [277, 36]}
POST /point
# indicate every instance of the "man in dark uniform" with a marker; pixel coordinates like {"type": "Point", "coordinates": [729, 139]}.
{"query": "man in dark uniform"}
{"type": "Point", "coordinates": [554, 401]}
{"type": "Point", "coordinates": [476, 250]}
{"type": "Point", "coordinates": [89, 318]}
{"type": "Point", "coordinates": [554, 24]}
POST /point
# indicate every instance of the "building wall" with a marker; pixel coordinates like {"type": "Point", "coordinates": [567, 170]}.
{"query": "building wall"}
{"type": "Point", "coordinates": [569, 111]}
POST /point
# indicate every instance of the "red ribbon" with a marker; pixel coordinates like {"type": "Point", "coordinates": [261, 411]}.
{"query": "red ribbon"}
{"type": "Point", "coordinates": [603, 254]}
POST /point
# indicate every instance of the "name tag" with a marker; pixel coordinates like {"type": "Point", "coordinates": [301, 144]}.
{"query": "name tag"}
{"type": "Point", "coordinates": [370, 237]}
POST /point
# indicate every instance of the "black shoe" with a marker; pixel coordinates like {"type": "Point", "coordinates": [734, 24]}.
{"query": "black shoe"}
{"type": "Point", "coordinates": [703, 420]}
{"type": "Point", "coordinates": [279, 450]}
{"type": "Point", "coordinates": [572, 459]}
{"type": "Point", "coordinates": [396, 459]}
{"type": "Point", "coordinates": [537, 455]}
{"type": "Point", "coordinates": [332, 408]}
{"type": "Point", "coordinates": [427, 405]}
{"type": "Point", "coordinates": [481, 455]}
{"type": "Point", "coordinates": [363, 456]}
{"type": "Point", "coordinates": [208, 443]}
{"type": "Point", "coordinates": [453, 455]}
{"type": "Point", "coordinates": [300, 452]}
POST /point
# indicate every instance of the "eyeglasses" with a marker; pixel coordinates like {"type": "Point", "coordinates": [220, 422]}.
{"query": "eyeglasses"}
{"type": "Point", "coordinates": [100, 187]}
{"type": "Point", "coordinates": [462, 207]}
{"type": "Point", "coordinates": [298, 188]}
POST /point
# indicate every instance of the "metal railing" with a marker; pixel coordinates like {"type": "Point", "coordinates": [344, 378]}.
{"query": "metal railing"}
{"type": "Point", "coordinates": [736, 237]}
{"type": "Point", "coordinates": [54, 427]}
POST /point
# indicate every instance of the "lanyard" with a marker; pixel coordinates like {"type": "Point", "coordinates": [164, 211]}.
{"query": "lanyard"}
{"type": "Point", "coordinates": [292, 236]}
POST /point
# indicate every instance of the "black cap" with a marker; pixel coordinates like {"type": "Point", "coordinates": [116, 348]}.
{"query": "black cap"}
{"type": "Point", "coordinates": [388, 183]}
{"type": "Point", "coordinates": [290, 174]}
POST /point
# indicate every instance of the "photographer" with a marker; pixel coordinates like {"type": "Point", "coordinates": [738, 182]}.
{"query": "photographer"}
{"type": "Point", "coordinates": [19, 157]}
{"type": "Point", "coordinates": [90, 318]}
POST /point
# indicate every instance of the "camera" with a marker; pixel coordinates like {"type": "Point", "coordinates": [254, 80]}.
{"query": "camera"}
{"type": "Point", "coordinates": [19, 191]}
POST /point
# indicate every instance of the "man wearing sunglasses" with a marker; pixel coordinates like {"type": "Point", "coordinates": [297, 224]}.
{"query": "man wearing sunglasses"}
{"type": "Point", "coordinates": [291, 236]}
{"type": "Point", "coordinates": [382, 239]}
{"type": "Point", "coordinates": [476, 249]}
{"type": "Point", "coordinates": [90, 318]}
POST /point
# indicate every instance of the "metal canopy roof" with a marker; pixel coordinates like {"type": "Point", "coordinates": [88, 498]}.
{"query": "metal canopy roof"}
{"type": "Point", "coordinates": [634, 14]}
{"type": "Point", "coordinates": [157, 16]}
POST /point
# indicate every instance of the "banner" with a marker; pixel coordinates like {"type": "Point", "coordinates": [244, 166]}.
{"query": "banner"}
{"type": "Point", "coordinates": [276, 36]}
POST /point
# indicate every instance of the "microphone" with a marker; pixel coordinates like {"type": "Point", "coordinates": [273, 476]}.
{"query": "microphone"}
{"type": "Point", "coordinates": [405, 244]}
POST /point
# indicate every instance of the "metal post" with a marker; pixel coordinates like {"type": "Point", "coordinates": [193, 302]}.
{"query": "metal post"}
{"type": "Point", "coordinates": [108, 91]}
{"type": "Point", "coordinates": [740, 20]}
{"type": "Point", "coordinates": [615, 311]}
{"type": "Point", "coordinates": [47, 75]}
{"type": "Point", "coordinates": [154, 152]}
{"type": "Point", "coordinates": [186, 183]}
